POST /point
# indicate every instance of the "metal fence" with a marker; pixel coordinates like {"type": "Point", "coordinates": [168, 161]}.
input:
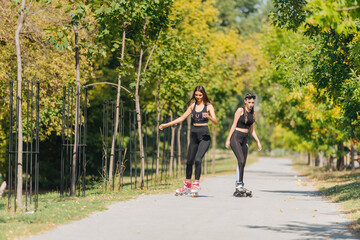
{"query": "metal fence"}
{"type": "Point", "coordinates": [29, 102]}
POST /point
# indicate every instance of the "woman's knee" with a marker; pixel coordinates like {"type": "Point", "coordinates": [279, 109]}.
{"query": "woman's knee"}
{"type": "Point", "coordinates": [197, 161]}
{"type": "Point", "coordinates": [189, 163]}
{"type": "Point", "coordinates": [241, 162]}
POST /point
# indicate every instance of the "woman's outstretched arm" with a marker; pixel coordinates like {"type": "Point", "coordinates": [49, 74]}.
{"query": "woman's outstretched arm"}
{"type": "Point", "coordinates": [179, 119]}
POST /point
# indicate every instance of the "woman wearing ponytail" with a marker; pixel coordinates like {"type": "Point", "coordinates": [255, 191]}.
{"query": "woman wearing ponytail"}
{"type": "Point", "coordinates": [201, 112]}
{"type": "Point", "coordinates": [244, 120]}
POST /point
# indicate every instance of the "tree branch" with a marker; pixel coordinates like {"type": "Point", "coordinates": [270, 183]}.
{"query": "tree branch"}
{"type": "Point", "coordinates": [347, 8]}
{"type": "Point", "coordinates": [87, 24]}
{"type": "Point", "coordinates": [114, 84]}
{"type": "Point", "coordinates": [152, 50]}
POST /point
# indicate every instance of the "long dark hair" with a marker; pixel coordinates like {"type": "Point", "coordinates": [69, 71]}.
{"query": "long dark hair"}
{"type": "Point", "coordinates": [252, 111]}
{"type": "Point", "coordinates": [202, 90]}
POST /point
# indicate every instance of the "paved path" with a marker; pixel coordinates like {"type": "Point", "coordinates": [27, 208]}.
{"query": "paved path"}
{"type": "Point", "coordinates": [282, 208]}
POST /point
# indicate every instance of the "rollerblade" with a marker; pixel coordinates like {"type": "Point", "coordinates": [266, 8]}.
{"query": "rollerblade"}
{"type": "Point", "coordinates": [186, 189]}
{"type": "Point", "coordinates": [240, 191]}
{"type": "Point", "coordinates": [195, 188]}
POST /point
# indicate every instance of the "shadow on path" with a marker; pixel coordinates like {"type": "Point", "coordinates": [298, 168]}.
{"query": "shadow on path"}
{"type": "Point", "coordinates": [326, 231]}
{"type": "Point", "coordinates": [309, 193]}
{"type": "Point", "coordinates": [279, 174]}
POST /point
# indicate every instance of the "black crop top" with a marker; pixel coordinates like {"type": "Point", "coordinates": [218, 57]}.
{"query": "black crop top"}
{"type": "Point", "coordinates": [241, 123]}
{"type": "Point", "coordinates": [197, 116]}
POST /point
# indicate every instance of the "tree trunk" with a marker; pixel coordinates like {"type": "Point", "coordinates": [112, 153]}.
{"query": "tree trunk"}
{"type": "Point", "coordinates": [19, 106]}
{"type": "Point", "coordinates": [77, 112]}
{"type": "Point", "coordinates": [179, 148]}
{"type": "Point", "coordinates": [138, 111]}
{"type": "Point", "coordinates": [332, 166]}
{"type": "Point", "coordinates": [321, 159]}
{"type": "Point", "coordinates": [312, 159]}
{"type": "Point", "coordinates": [157, 141]}
{"type": "Point", "coordinates": [352, 157]}
{"type": "Point", "coordinates": [173, 128]}
{"type": "Point", "coordinates": [2, 188]}
{"type": "Point", "coordinates": [137, 101]}
{"type": "Point", "coordinates": [141, 144]}
{"type": "Point", "coordinates": [340, 157]}
{"type": "Point", "coordinates": [317, 159]}
{"type": "Point", "coordinates": [117, 111]}
{"type": "Point", "coordinates": [158, 117]}
{"type": "Point", "coordinates": [213, 150]}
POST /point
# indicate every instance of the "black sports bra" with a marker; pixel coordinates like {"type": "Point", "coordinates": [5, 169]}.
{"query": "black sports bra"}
{"type": "Point", "coordinates": [241, 122]}
{"type": "Point", "coordinates": [197, 117]}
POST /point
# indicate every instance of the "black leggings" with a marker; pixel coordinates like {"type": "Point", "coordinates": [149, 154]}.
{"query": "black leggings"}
{"type": "Point", "coordinates": [239, 145]}
{"type": "Point", "coordinates": [199, 144]}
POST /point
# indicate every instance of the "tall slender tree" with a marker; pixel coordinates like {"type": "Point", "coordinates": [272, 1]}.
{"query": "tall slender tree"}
{"type": "Point", "coordinates": [19, 166]}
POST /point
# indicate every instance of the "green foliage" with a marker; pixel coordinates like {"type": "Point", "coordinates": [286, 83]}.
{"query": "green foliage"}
{"type": "Point", "coordinates": [289, 98]}
{"type": "Point", "coordinates": [177, 65]}
{"type": "Point", "coordinates": [318, 73]}
{"type": "Point", "coordinates": [289, 14]}
{"type": "Point", "coordinates": [244, 16]}
{"type": "Point", "coordinates": [191, 50]}
{"type": "Point", "coordinates": [53, 69]}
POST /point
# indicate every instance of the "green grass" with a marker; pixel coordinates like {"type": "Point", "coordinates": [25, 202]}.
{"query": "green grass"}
{"type": "Point", "coordinates": [338, 186]}
{"type": "Point", "coordinates": [54, 211]}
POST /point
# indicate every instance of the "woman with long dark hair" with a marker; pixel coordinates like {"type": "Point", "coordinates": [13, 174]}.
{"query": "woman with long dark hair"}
{"type": "Point", "coordinates": [201, 112]}
{"type": "Point", "coordinates": [243, 123]}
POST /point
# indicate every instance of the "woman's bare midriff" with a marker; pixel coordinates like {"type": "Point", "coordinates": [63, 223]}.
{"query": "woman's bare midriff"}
{"type": "Point", "coordinates": [200, 124]}
{"type": "Point", "coordinates": [244, 130]}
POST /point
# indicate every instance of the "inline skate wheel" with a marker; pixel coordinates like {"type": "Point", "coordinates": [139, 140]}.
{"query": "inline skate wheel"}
{"type": "Point", "coordinates": [195, 194]}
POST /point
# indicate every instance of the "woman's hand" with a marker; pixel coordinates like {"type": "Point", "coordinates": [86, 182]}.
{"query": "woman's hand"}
{"type": "Point", "coordinates": [227, 144]}
{"type": "Point", "coordinates": [259, 146]}
{"type": "Point", "coordinates": [205, 115]}
{"type": "Point", "coordinates": [162, 126]}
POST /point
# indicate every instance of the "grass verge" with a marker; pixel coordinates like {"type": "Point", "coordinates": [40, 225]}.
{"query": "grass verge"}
{"type": "Point", "coordinates": [340, 186]}
{"type": "Point", "coordinates": [54, 211]}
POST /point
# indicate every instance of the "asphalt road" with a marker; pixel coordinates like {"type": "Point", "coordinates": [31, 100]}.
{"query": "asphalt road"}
{"type": "Point", "coordinates": [284, 206]}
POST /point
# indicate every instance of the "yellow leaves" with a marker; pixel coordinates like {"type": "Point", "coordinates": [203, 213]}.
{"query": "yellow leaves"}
{"type": "Point", "coordinates": [295, 95]}
{"type": "Point", "coordinates": [336, 112]}
{"type": "Point", "coordinates": [196, 16]}
{"type": "Point", "coordinates": [311, 88]}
